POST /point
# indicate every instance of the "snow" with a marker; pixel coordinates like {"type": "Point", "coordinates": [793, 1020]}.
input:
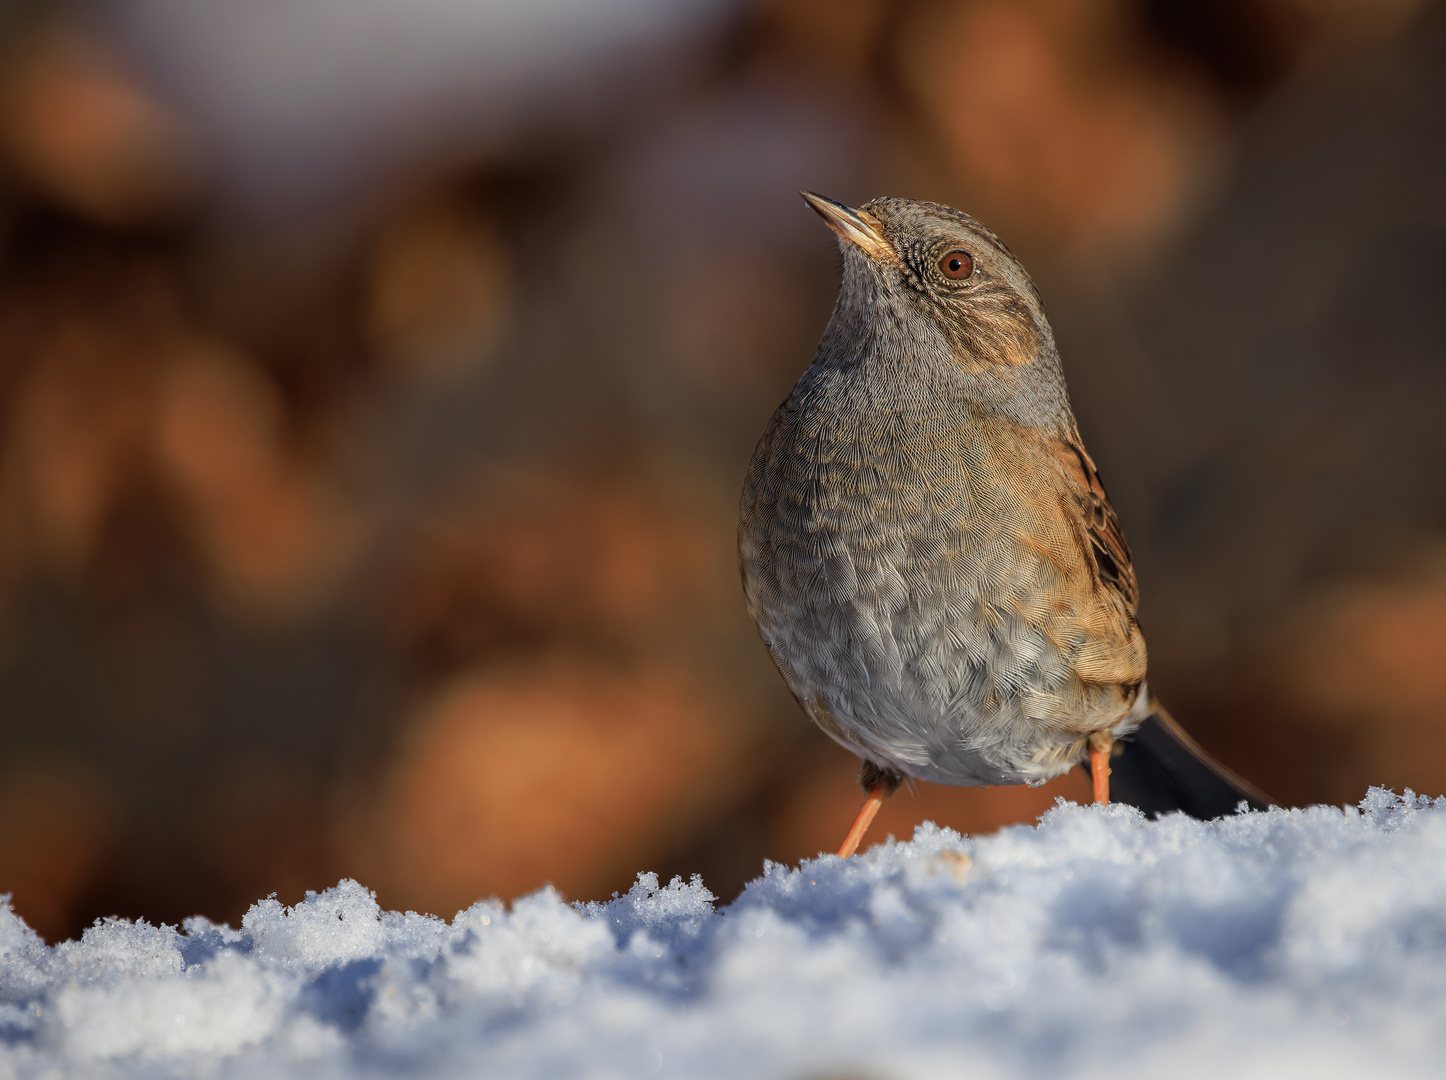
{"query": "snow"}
{"type": "Point", "coordinates": [1289, 943]}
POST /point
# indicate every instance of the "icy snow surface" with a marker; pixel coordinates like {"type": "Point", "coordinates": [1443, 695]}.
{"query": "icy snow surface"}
{"type": "Point", "coordinates": [1289, 943]}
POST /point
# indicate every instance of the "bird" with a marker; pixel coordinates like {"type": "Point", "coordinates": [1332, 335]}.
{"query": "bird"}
{"type": "Point", "coordinates": [928, 551]}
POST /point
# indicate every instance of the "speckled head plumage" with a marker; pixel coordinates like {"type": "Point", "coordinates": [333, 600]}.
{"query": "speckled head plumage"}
{"type": "Point", "coordinates": [899, 299]}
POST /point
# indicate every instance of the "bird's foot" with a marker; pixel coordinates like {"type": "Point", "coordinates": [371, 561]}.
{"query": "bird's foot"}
{"type": "Point", "coordinates": [880, 782]}
{"type": "Point", "coordinates": [1101, 744]}
{"type": "Point", "coordinates": [877, 794]}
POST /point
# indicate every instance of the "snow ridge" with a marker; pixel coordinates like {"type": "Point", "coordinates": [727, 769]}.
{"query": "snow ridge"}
{"type": "Point", "coordinates": [1300, 942]}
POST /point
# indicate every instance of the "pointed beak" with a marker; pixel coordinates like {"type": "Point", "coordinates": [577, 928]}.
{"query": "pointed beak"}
{"type": "Point", "coordinates": [857, 226]}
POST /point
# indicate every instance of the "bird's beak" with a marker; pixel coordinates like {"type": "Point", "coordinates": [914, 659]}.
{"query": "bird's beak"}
{"type": "Point", "coordinates": [857, 226]}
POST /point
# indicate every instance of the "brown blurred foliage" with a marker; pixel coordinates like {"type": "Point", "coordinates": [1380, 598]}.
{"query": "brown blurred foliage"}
{"type": "Point", "coordinates": [393, 536]}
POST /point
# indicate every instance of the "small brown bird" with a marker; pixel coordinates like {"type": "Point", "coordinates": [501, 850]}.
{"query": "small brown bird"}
{"type": "Point", "coordinates": [927, 549]}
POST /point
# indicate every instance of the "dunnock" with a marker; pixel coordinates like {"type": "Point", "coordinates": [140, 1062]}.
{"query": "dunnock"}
{"type": "Point", "coordinates": [927, 548]}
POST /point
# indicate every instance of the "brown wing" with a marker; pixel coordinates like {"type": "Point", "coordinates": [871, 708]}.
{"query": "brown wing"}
{"type": "Point", "coordinates": [1110, 564]}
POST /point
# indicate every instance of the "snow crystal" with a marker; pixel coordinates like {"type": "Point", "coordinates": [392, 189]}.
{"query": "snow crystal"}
{"type": "Point", "coordinates": [1288, 943]}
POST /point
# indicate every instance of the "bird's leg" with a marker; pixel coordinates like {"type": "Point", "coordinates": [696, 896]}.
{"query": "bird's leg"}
{"type": "Point", "coordinates": [880, 783]}
{"type": "Point", "coordinates": [1101, 743]}
{"type": "Point", "coordinates": [877, 795]}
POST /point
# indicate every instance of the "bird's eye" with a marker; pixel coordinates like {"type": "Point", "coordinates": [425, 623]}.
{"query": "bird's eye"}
{"type": "Point", "coordinates": [957, 265]}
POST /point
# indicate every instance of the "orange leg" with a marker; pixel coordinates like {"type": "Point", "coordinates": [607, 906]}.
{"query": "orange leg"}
{"type": "Point", "coordinates": [877, 795]}
{"type": "Point", "coordinates": [1101, 743]}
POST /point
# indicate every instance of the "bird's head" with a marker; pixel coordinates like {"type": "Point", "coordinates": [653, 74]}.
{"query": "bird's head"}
{"type": "Point", "coordinates": [933, 286]}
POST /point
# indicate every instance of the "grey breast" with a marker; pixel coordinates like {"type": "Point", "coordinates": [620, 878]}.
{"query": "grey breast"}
{"type": "Point", "coordinates": [883, 564]}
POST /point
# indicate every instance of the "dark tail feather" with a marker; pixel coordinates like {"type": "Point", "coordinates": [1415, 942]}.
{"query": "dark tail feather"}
{"type": "Point", "coordinates": [1161, 769]}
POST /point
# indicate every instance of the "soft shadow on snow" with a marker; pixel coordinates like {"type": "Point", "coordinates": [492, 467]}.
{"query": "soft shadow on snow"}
{"type": "Point", "coordinates": [1301, 942]}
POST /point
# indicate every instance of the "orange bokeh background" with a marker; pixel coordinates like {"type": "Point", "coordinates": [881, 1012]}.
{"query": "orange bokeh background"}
{"type": "Point", "coordinates": [373, 407]}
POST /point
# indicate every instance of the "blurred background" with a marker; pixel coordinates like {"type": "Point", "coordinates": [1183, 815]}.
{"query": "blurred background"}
{"type": "Point", "coordinates": [377, 378]}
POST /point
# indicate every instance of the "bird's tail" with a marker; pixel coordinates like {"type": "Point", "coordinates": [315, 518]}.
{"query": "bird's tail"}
{"type": "Point", "coordinates": [1160, 769]}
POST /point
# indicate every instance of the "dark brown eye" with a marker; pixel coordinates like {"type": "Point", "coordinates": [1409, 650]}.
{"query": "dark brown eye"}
{"type": "Point", "coordinates": [957, 264]}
